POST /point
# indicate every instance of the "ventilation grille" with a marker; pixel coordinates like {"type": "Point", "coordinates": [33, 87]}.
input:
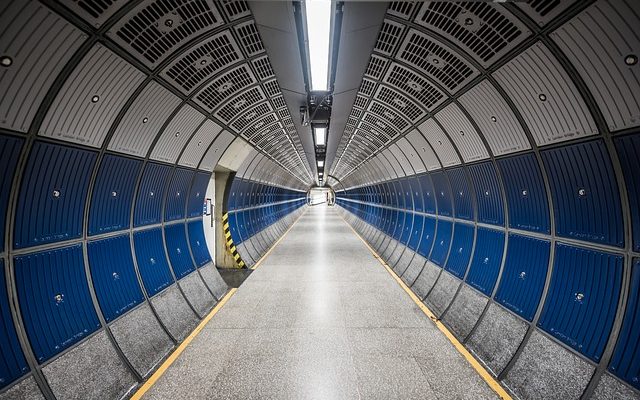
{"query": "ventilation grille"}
{"type": "Point", "coordinates": [366, 87]}
{"type": "Point", "coordinates": [376, 67]}
{"type": "Point", "coordinates": [279, 102]}
{"type": "Point", "coordinates": [402, 9]}
{"type": "Point", "coordinates": [355, 113]}
{"type": "Point", "coordinates": [414, 85]}
{"type": "Point", "coordinates": [360, 102]}
{"type": "Point", "coordinates": [435, 60]}
{"type": "Point", "coordinates": [250, 116]}
{"type": "Point", "coordinates": [263, 69]}
{"type": "Point", "coordinates": [154, 31]}
{"type": "Point", "coordinates": [240, 103]}
{"type": "Point", "coordinates": [260, 124]}
{"type": "Point", "coordinates": [272, 88]}
{"type": "Point", "coordinates": [477, 26]}
{"type": "Point", "coordinates": [94, 11]}
{"type": "Point", "coordinates": [225, 86]}
{"type": "Point", "coordinates": [204, 61]}
{"type": "Point", "coordinates": [388, 37]}
{"type": "Point", "coordinates": [235, 9]}
{"type": "Point", "coordinates": [263, 132]}
{"type": "Point", "coordinates": [387, 114]}
{"type": "Point", "coordinates": [543, 11]}
{"type": "Point", "coordinates": [249, 38]}
{"type": "Point", "coordinates": [380, 125]}
{"type": "Point", "coordinates": [400, 102]}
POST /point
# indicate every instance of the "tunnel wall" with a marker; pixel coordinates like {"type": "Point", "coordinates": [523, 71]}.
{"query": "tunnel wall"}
{"type": "Point", "coordinates": [534, 286]}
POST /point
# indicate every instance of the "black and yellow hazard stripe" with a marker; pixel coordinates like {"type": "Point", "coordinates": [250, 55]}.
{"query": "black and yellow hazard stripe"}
{"type": "Point", "coordinates": [231, 248]}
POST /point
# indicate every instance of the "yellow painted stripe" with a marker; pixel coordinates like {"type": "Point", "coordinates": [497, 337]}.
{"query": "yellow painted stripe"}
{"type": "Point", "coordinates": [257, 264]}
{"type": "Point", "coordinates": [176, 353]}
{"type": "Point", "coordinates": [484, 374]}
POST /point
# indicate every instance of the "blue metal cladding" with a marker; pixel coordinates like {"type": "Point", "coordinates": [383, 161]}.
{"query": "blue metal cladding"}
{"type": "Point", "coordinates": [9, 153]}
{"type": "Point", "coordinates": [625, 363]}
{"type": "Point", "coordinates": [408, 196]}
{"type": "Point", "coordinates": [406, 229]}
{"type": "Point", "coordinates": [488, 193]}
{"type": "Point", "coordinates": [524, 274]}
{"type": "Point", "coordinates": [152, 261]}
{"type": "Point", "coordinates": [461, 190]}
{"type": "Point", "coordinates": [629, 153]}
{"type": "Point", "coordinates": [150, 194]}
{"type": "Point", "coordinates": [233, 195]}
{"type": "Point", "coordinates": [428, 234]}
{"type": "Point", "coordinates": [428, 197]}
{"type": "Point", "coordinates": [418, 203]}
{"type": "Point", "coordinates": [583, 296]}
{"type": "Point", "coordinates": [114, 277]}
{"type": "Point", "coordinates": [111, 202]}
{"type": "Point", "coordinates": [198, 243]}
{"type": "Point", "coordinates": [12, 362]}
{"type": "Point", "coordinates": [460, 249]}
{"type": "Point", "coordinates": [443, 239]}
{"type": "Point", "coordinates": [52, 195]}
{"type": "Point", "coordinates": [487, 259]}
{"type": "Point", "coordinates": [177, 194]}
{"type": "Point", "coordinates": [585, 193]}
{"type": "Point", "coordinates": [418, 222]}
{"type": "Point", "coordinates": [442, 194]}
{"type": "Point", "coordinates": [196, 196]}
{"type": "Point", "coordinates": [397, 199]}
{"type": "Point", "coordinates": [397, 231]}
{"type": "Point", "coordinates": [54, 300]}
{"type": "Point", "coordinates": [178, 250]}
{"type": "Point", "coordinates": [526, 195]}
{"type": "Point", "coordinates": [235, 227]}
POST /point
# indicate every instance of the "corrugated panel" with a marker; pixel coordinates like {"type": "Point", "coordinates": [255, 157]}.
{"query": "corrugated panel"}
{"type": "Point", "coordinates": [157, 28]}
{"type": "Point", "coordinates": [458, 260]}
{"type": "Point", "coordinates": [91, 98]}
{"type": "Point", "coordinates": [463, 134]}
{"type": "Point", "coordinates": [442, 241]}
{"type": "Point", "coordinates": [146, 116]}
{"type": "Point", "coordinates": [484, 30]}
{"type": "Point", "coordinates": [198, 190]}
{"type": "Point", "coordinates": [543, 11]}
{"type": "Point", "coordinates": [38, 43]}
{"type": "Point", "coordinates": [52, 196]}
{"type": "Point", "coordinates": [210, 160]}
{"type": "Point", "coordinates": [178, 250]}
{"type": "Point", "coordinates": [54, 300]}
{"type": "Point", "coordinates": [626, 358]}
{"type": "Point", "coordinates": [403, 104]}
{"type": "Point", "coordinates": [412, 155]}
{"type": "Point", "coordinates": [414, 85]}
{"type": "Point", "coordinates": [629, 153]}
{"type": "Point", "coordinates": [548, 101]}
{"type": "Point", "coordinates": [462, 193]}
{"type": "Point", "coordinates": [598, 42]}
{"type": "Point", "coordinates": [526, 194]}
{"type": "Point", "coordinates": [442, 193]}
{"type": "Point", "coordinates": [177, 193]}
{"type": "Point", "coordinates": [495, 119]}
{"type": "Point", "coordinates": [12, 362]}
{"type": "Point", "coordinates": [245, 100]}
{"type": "Point", "coordinates": [199, 144]}
{"type": "Point", "coordinates": [488, 193]}
{"type": "Point", "coordinates": [9, 153]}
{"type": "Point", "coordinates": [225, 86]}
{"type": "Point", "coordinates": [416, 194]}
{"type": "Point", "coordinates": [425, 152]}
{"type": "Point", "coordinates": [583, 296]}
{"type": "Point", "coordinates": [487, 259]}
{"type": "Point", "coordinates": [198, 243]}
{"type": "Point", "coordinates": [418, 222]}
{"type": "Point", "coordinates": [524, 274]}
{"type": "Point", "coordinates": [428, 194]}
{"type": "Point", "coordinates": [586, 200]}
{"type": "Point", "coordinates": [440, 143]}
{"type": "Point", "coordinates": [152, 261]}
{"type": "Point", "coordinates": [148, 208]}
{"type": "Point", "coordinates": [96, 12]}
{"type": "Point", "coordinates": [112, 194]}
{"type": "Point", "coordinates": [177, 134]}
{"type": "Point", "coordinates": [113, 276]}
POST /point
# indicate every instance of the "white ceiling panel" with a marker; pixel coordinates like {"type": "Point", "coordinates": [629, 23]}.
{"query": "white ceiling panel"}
{"type": "Point", "coordinates": [199, 144]}
{"type": "Point", "coordinates": [412, 155]}
{"type": "Point", "coordinates": [217, 148]}
{"type": "Point", "coordinates": [440, 143]}
{"type": "Point", "coordinates": [463, 134]}
{"type": "Point", "coordinates": [425, 152]}
{"type": "Point", "coordinates": [177, 134]}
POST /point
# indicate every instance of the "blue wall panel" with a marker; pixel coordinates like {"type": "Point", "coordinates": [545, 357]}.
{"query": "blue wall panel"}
{"type": "Point", "coordinates": [428, 194]}
{"type": "Point", "coordinates": [52, 196]}
{"type": "Point", "coordinates": [461, 191]}
{"type": "Point", "coordinates": [418, 222]}
{"type": "Point", "coordinates": [177, 194]}
{"type": "Point", "coordinates": [54, 300]}
{"type": "Point", "coordinates": [442, 194]}
{"type": "Point", "coordinates": [9, 153]}
{"type": "Point", "coordinates": [178, 250]}
{"type": "Point", "coordinates": [114, 277]}
{"type": "Point", "coordinates": [443, 238]}
{"type": "Point", "coordinates": [152, 261]}
{"type": "Point", "coordinates": [234, 195]}
{"type": "Point", "coordinates": [525, 272]}
{"type": "Point", "coordinates": [416, 191]}
{"type": "Point", "coordinates": [112, 194]}
{"type": "Point", "coordinates": [586, 200]}
{"type": "Point", "coordinates": [583, 296]}
{"type": "Point", "coordinates": [198, 191]}
{"type": "Point", "coordinates": [148, 208]}
{"type": "Point", "coordinates": [487, 260]}
{"type": "Point", "coordinates": [428, 234]}
{"type": "Point", "coordinates": [488, 193]}
{"type": "Point", "coordinates": [12, 362]}
{"type": "Point", "coordinates": [198, 243]}
{"type": "Point", "coordinates": [629, 153]}
{"type": "Point", "coordinates": [626, 357]}
{"type": "Point", "coordinates": [460, 249]}
{"type": "Point", "coordinates": [407, 227]}
{"type": "Point", "coordinates": [526, 194]}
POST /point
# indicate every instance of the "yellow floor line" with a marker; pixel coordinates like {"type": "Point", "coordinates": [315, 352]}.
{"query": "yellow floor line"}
{"type": "Point", "coordinates": [257, 264]}
{"type": "Point", "coordinates": [491, 381]}
{"type": "Point", "coordinates": [176, 353]}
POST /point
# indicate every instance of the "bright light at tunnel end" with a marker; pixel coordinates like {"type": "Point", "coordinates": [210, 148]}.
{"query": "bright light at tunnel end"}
{"type": "Point", "coordinates": [318, 15]}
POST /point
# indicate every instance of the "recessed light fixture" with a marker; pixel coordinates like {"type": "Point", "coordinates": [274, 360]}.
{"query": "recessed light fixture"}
{"type": "Point", "coordinates": [318, 16]}
{"type": "Point", "coordinates": [320, 163]}
{"type": "Point", "coordinates": [95, 98]}
{"type": "Point", "coordinates": [630, 59]}
{"type": "Point", "coordinates": [320, 135]}
{"type": "Point", "coordinates": [6, 61]}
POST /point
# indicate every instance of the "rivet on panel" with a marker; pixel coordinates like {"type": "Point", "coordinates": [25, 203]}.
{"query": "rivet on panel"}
{"type": "Point", "coordinates": [582, 192]}
{"type": "Point", "coordinates": [145, 120]}
{"type": "Point", "coordinates": [6, 61]}
{"type": "Point", "coordinates": [177, 134]}
{"type": "Point", "coordinates": [116, 276]}
{"type": "Point", "coordinates": [58, 298]}
{"type": "Point", "coordinates": [493, 119]}
{"type": "Point", "coordinates": [522, 275]}
{"type": "Point", "coordinates": [55, 193]}
{"type": "Point", "coordinates": [95, 99]}
{"type": "Point", "coordinates": [542, 97]}
{"type": "Point", "coordinates": [525, 192]}
{"type": "Point", "coordinates": [178, 250]}
{"type": "Point", "coordinates": [486, 193]}
{"type": "Point", "coordinates": [579, 296]}
{"type": "Point", "coordinates": [630, 59]}
{"type": "Point", "coordinates": [151, 194]}
{"type": "Point", "coordinates": [486, 260]}
{"type": "Point", "coordinates": [114, 194]}
{"type": "Point", "coordinates": [461, 133]}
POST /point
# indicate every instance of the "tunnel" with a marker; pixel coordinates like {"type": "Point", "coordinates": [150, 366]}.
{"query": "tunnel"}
{"type": "Point", "coordinates": [445, 204]}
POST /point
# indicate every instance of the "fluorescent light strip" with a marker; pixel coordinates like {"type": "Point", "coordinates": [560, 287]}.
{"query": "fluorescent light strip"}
{"type": "Point", "coordinates": [321, 134]}
{"type": "Point", "coordinates": [320, 163]}
{"type": "Point", "coordinates": [318, 31]}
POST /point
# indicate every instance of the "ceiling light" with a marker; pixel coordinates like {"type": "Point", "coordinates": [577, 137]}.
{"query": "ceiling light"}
{"type": "Point", "coordinates": [320, 134]}
{"type": "Point", "coordinates": [320, 163]}
{"type": "Point", "coordinates": [318, 31]}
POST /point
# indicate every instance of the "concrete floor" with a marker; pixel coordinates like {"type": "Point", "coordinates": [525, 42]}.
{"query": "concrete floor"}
{"type": "Point", "coordinates": [320, 319]}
